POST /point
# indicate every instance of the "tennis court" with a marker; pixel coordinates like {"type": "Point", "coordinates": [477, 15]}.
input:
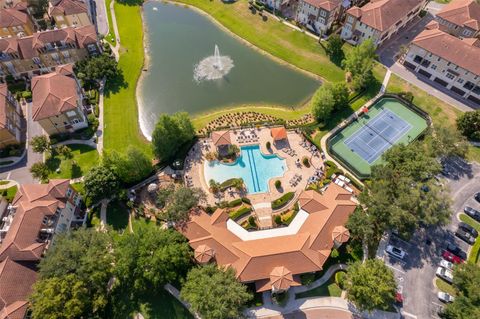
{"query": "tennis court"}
{"type": "Point", "coordinates": [362, 143]}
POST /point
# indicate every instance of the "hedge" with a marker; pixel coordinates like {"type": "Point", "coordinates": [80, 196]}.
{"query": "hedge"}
{"type": "Point", "coordinates": [235, 202]}
{"type": "Point", "coordinates": [246, 200]}
{"type": "Point", "coordinates": [282, 201]}
{"type": "Point", "coordinates": [240, 212]}
{"type": "Point", "coordinates": [340, 279]}
{"type": "Point", "coordinates": [228, 183]}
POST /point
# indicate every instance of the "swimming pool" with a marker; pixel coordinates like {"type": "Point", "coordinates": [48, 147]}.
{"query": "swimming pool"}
{"type": "Point", "coordinates": [255, 168]}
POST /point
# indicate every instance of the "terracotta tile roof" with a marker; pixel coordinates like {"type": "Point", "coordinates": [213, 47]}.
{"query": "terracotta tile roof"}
{"type": "Point", "coordinates": [12, 17]}
{"type": "Point", "coordinates": [327, 5]}
{"type": "Point", "coordinates": [221, 138]}
{"type": "Point", "coordinates": [464, 53]}
{"type": "Point", "coordinates": [255, 260]}
{"type": "Point", "coordinates": [53, 94]}
{"type": "Point", "coordinates": [382, 14]}
{"type": "Point", "coordinates": [340, 234]}
{"type": "Point", "coordinates": [67, 7]}
{"type": "Point", "coordinates": [33, 202]}
{"type": "Point", "coordinates": [462, 13]}
{"type": "Point", "coordinates": [203, 254]}
{"type": "Point", "coordinates": [65, 69]}
{"type": "Point", "coordinates": [278, 133]}
{"type": "Point", "coordinates": [16, 280]}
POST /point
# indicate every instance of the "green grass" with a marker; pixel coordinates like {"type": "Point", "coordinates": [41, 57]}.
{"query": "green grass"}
{"type": "Point", "coordinates": [4, 182]}
{"type": "Point", "coordinates": [120, 104]}
{"type": "Point", "coordinates": [83, 158]}
{"type": "Point", "coordinates": [328, 289]}
{"type": "Point", "coordinates": [160, 304]}
{"type": "Point", "coordinates": [110, 37]}
{"type": "Point", "coordinates": [117, 215]}
{"type": "Point", "coordinates": [9, 193]}
{"type": "Point", "coordinates": [442, 285]}
{"type": "Point", "coordinates": [475, 250]}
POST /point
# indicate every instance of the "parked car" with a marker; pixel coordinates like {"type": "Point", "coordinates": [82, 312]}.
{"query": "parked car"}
{"type": "Point", "coordinates": [446, 264]}
{"type": "Point", "coordinates": [395, 252]}
{"type": "Point", "coordinates": [477, 196]}
{"type": "Point", "coordinates": [445, 297]}
{"type": "Point", "coordinates": [465, 236]}
{"type": "Point", "coordinates": [475, 214]}
{"type": "Point", "coordinates": [470, 229]}
{"type": "Point", "coordinates": [445, 274]}
{"type": "Point", "coordinates": [448, 256]}
{"type": "Point", "coordinates": [454, 249]}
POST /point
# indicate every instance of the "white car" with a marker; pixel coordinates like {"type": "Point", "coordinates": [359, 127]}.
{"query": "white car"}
{"type": "Point", "coordinates": [445, 297]}
{"type": "Point", "coordinates": [446, 264]}
{"type": "Point", "coordinates": [396, 252]}
{"type": "Point", "coordinates": [445, 274]}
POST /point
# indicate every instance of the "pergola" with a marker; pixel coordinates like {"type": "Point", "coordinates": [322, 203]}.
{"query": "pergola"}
{"type": "Point", "coordinates": [278, 133]}
{"type": "Point", "coordinates": [221, 139]}
{"type": "Point", "coordinates": [340, 235]}
{"type": "Point", "coordinates": [203, 254]}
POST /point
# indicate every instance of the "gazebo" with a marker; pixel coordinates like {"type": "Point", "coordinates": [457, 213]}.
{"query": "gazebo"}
{"type": "Point", "coordinates": [340, 235]}
{"type": "Point", "coordinates": [221, 139]}
{"type": "Point", "coordinates": [278, 133]}
{"type": "Point", "coordinates": [281, 279]}
{"type": "Point", "coordinates": [203, 254]}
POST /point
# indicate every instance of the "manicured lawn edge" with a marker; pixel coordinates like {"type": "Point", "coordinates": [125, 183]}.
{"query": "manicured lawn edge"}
{"type": "Point", "coordinates": [475, 250]}
{"type": "Point", "coordinates": [442, 285]}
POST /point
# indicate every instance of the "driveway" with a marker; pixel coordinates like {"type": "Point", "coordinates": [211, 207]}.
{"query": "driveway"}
{"type": "Point", "coordinates": [21, 171]}
{"type": "Point", "coordinates": [415, 275]}
{"type": "Point", "coordinates": [99, 14]}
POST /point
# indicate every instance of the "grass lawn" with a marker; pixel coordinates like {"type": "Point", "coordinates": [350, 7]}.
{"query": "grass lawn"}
{"type": "Point", "coordinates": [442, 285]}
{"type": "Point", "coordinates": [120, 104]}
{"type": "Point", "coordinates": [83, 158]}
{"type": "Point", "coordinates": [117, 215]}
{"type": "Point", "coordinates": [9, 193]}
{"type": "Point", "coordinates": [111, 36]}
{"type": "Point", "coordinates": [161, 304]}
{"type": "Point", "coordinates": [328, 289]}
{"type": "Point", "coordinates": [475, 250]}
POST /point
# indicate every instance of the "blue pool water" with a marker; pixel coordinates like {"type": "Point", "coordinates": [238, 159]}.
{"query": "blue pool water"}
{"type": "Point", "coordinates": [255, 168]}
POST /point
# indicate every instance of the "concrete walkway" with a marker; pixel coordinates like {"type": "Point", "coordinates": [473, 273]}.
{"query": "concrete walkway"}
{"type": "Point", "coordinates": [90, 143]}
{"type": "Point", "coordinates": [103, 213]}
{"type": "Point", "coordinates": [101, 128]}
{"type": "Point", "coordinates": [9, 184]}
{"type": "Point", "coordinates": [317, 283]}
{"type": "Point", "coordinates": [116, 48]}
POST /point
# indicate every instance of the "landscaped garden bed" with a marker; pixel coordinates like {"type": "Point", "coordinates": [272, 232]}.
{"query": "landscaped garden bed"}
{"type": "Point", "coordinates": [283, 200]}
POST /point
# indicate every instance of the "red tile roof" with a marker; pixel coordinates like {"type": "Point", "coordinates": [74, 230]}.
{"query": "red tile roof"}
{"type": "Point", "coordinates": [327, 5]}
{"type": "Point", "coordinates": [278, 133]}
{"type": "Point", "coordinates": [221, 138]}
{"type": "Point", "coordinates": [67, 7]}
{"type": "Point", "coordinates": [13, 17]}
{"type": "Point", "coordinates": [462, 13]}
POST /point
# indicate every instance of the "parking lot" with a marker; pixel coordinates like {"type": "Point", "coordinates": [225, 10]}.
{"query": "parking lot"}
{"type": "Point", "coordinates": [416, 272]}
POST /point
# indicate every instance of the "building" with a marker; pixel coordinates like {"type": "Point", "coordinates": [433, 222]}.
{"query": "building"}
{"type": "Point", "coordinates": [43, 51]}
{"type": "Point", "coordinates": [274, 258]}
{"type": "Point", "coordinates": [27, 228]}
{"type": "Point", "coordinates": [57, 102]}
{"type": "Point", "coordinates": [222, 141]}
{"type": "Point", "coordinates": [11, 118]}
{"type": "Point", "coordinates": [318, 15]}
{"type": "Point", "coordinates": [447, 60]}
{"type": "Point", "coordinates": [16, 21]}
{"type": "Point", "coordinates": [379, 20]}
{"type": "Point", "coordinates": [460, 18]}
{"type": "Point", "coordinates": [69, 13]}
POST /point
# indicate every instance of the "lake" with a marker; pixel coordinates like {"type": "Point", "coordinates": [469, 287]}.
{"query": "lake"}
{"type": "Point", "coordinates": [177, 39]}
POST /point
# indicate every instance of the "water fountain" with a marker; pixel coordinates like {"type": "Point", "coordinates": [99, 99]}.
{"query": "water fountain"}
{"type": "Point", "coordinates": [213, 67]}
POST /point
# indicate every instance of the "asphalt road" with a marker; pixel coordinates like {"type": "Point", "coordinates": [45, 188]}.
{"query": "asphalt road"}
{"type": "Point", "coordinates": [21, 171]}
{"type": "Point", "coordinates": [416, 273]}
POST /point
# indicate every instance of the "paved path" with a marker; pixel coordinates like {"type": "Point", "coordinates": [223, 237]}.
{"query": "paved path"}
{"type": "Point", "coordinates": [317, 283]}
{"type": "Point", "coordinates": [103, 213]}
{"type": "Point", "coordinates": [116, 48]}
{"type": "Point", "coordinates": [90, 143]}
{"type": "Point", "coordinates": [101, 128]}
{"type": "Point", "coordinates": [9, 184]}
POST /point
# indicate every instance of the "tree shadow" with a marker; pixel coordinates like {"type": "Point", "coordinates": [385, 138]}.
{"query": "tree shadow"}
{"type": "Point", "coordinates": [53, 163]}
{"type": "Point", "coordinates": [115, 84]}
{"type": "Point", "coordinates": [131, 2]}
{"type": "Point", "coordinates": [76, 171]}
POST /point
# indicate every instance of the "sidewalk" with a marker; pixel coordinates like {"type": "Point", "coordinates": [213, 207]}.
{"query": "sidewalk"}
{"type": "Point", "coordinates": [116, 48]}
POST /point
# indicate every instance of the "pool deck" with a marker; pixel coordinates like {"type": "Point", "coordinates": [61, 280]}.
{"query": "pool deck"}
{"type": "Point", "coordinates": [261, 202]}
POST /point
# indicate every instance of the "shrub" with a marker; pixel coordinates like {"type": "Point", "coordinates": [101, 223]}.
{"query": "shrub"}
{"type": "Point", "coordinates": [307, 279]}
{"type": "Point", "coordinates": [246, 200]}
{"type": "Point", "coordinates": [235, 202]}
{"type": "Point", "coordinates": [340, 279]}
{"type": "Point", "coordinates": [27, 95]}
{"type": "Point", "coordinates": [269, 145]}
{"type": "Point", "coordinates": [278, 219]}
{"type": "Point", "coordinates": [330, 164]}
{"type": "Point", "coordinates": [240, 212]}
{"type": "Point", "coordinates": [306, 162]}
{"type": "Point", "coordinates": [210, 209]}
{"type": "Point", "coordinates": [278, 184]}
{"type": "Point", "coordinates": [334, 253]}
{"type": "Point", "coordinates": [282, 201]}
{"type": "Point", "coordinates": [251, 221]}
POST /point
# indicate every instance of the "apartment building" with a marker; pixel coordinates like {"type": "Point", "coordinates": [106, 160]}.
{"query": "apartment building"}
{"type": "Point", "coordinates": [447, 60]}
{"type": "Point", "coordinates": [16, 21]}
{"type": "Point", "coordinates": [11, 118]}
{"type": "Point", "coordinates": [43, 51]}
{"type": "Point", "coordinates": [460, 18]}
{"type": "Point", "coordinates": [57, 102]}
{"type": "Point", "coordinates": [69, 13]}
{"type": "Point", "coordinates": [379, 20]}
{"type": "Point", "coordinates": [318, 15]}
{"type": "Point", "coordinates": [27, 228]}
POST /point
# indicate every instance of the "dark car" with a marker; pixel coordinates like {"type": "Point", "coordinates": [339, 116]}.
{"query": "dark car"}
{"type": "Point", "coordinates": [475, 214]}
{"type": "Point", "coordinates": [466, 227]}
{"type": "Point", "coordinates": [466, 236]}
{"type": "Point", "coordinates": [477, 197]}
{"type": "Point", "coordinates": [457, 251]}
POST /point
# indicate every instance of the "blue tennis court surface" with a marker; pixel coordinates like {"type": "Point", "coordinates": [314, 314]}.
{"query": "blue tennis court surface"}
{"type": "Point", "coordinates": [377, 135]}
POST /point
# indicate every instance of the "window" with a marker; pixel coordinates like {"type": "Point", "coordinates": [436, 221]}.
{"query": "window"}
{"type": "Point", "coordinates": [323, 13]}
{"type": "Point", "coordinates": [69, 192]}
{"type": "Point", "coordinates": [350, 19]}
{"type": "Point", "coordinates": [460, 80]}
{"type": "Point", "coordinates": [321, 20]}
{"type": "Point", "coordinates": [36, 60]}
{"type": "Point", "coordinates": [434, 67]}
{"type": "Point", "coordinates": [467, 33]}
{"type": "Point", "coordinates": [450, 76]}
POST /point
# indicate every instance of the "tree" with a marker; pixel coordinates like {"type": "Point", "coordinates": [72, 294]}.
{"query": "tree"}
{"type": "Point", "coordinates": [214, 293]}
{"type": "Point", "coordinates": [40, 144]}
{"type": "Point", "coordinates": [101, 182]}
{"type": "Point", "coordinates": [180, 203]}
{"type": "Point", "coordinates": [322, 103]}
{"type": "Point", "coordinates": [466, 280]}
{"type": "Point", "coordinates": [171, 132]}
{"type": "Point", "coordinates": [445, 142]}
{"type": "Point", "coordinates": [60, 298]}
{"type": "Point", "coordinates": [131, 167]}
{"type": "Point", "coordinates": [340, 95]}
{"type": "Point", "coordinates": [359, 62]}
{"type": "Point", "coordinates": [334, 48]}
{"type": "Point", "coordinates": [469, 125]}
{"type": "Point", "coordinates": [80, 267]}
{"type": "Point", "coordinates": [97, 67]}
{"type": "Point", "coordinates": [149, 258]}
{"type": "Point", "coordinates": [40, 171]}
{"type": "Point", "coordinates": [364, 228]}
{"type": "Point", "coordinates": [64, 151]}
{"type": "Point", "coordinates": [370, 285]}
